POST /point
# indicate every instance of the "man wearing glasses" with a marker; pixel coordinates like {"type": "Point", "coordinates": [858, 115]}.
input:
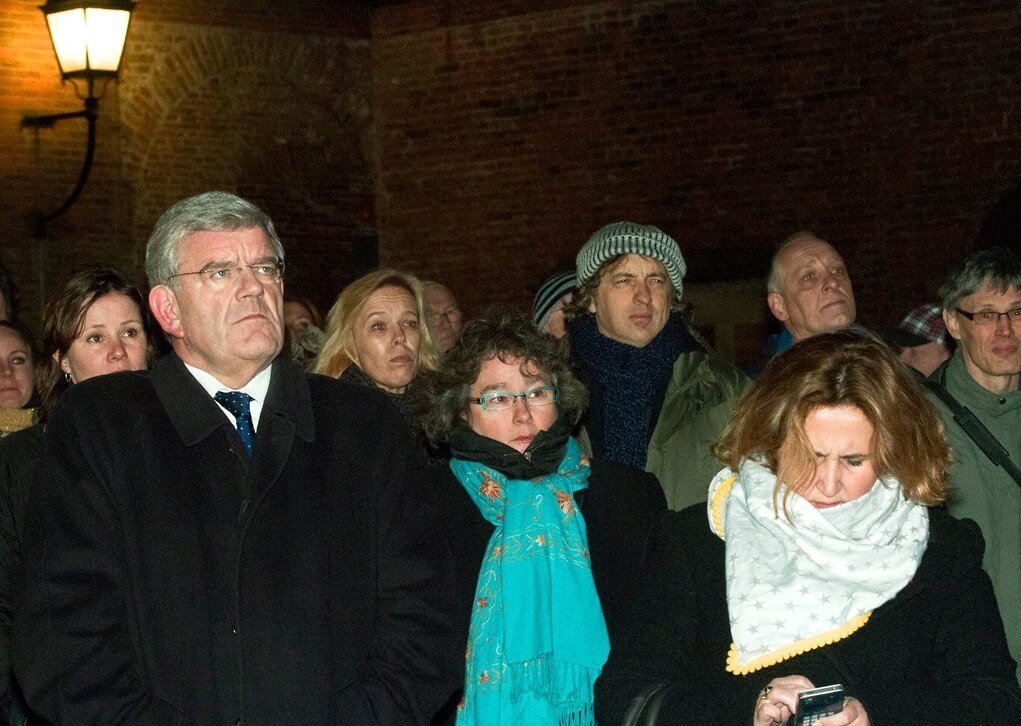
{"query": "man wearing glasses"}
{"type": "Point", "coordinates": [227, 539]}
{"type": "Point", "coordinates": [982, 310]}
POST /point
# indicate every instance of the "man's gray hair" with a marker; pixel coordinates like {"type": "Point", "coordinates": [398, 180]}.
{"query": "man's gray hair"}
{"type": "Point", "coordinates": [773, 281]}
{"type": "Point", "coordinates": [208, 212]}
{"type": "Point", "coordinates": [996, 266]}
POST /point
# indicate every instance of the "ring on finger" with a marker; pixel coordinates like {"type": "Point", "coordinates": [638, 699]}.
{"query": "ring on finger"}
{"type": "Point", "coordinates": [765, 693]}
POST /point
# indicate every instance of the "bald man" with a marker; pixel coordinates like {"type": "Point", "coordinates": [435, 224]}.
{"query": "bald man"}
{"type": "Point", "coordinates": [808, 288]}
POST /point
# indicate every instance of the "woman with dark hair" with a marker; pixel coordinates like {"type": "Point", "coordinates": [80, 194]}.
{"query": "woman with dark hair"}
{"type": "Point", "coordinates": [98, 324]}
{"type": "Point", "coordinates": [818, 563]}
{"type": "Point", "coordinates": [17, 378]}
{"type": "Point", "coordinates": [546, 544]}
{"type": "Point", "coordinates": [303, 329]}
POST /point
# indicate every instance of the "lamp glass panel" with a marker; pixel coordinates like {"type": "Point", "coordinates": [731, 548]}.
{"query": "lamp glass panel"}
{"type": "Point", "coordinates": [67, 31]}
{"type": "Point", "coordinates": [106, 31]}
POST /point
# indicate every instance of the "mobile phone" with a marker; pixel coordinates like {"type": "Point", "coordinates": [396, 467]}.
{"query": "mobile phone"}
{"type": "Point", "coordinates": [816, 704]}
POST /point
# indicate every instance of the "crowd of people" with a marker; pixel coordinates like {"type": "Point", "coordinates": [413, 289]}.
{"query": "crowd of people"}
{"type": "Point", "coordinates": [399, 514]}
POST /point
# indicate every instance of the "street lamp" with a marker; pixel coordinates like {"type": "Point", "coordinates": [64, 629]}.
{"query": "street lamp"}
{"type": "Point", "coordinates": [88, 39]}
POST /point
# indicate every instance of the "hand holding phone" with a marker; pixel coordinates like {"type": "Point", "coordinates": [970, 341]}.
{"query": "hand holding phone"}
{"type": "Point", "coordinates": [816, 704]}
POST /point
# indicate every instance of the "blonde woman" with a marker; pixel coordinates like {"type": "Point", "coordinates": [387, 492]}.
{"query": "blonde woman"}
{"type": "Point", "coordinates": [376, 336]}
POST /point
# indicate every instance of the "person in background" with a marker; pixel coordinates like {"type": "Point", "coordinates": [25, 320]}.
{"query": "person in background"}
{"type": "Point", "coordinates": [18, 402]}
{"type": "Point", "coordinates": [303, 327]}
{"type": "Point", "coordinates": [921, 338]}
{"type": "Point", "coordinates": [300, 313]}
{"type": "Point", "coordinates": [97, 324]}
{"type": "Point", "coordinates": [547, 544]}
{"type": "Point", "coordinates": [8, 295]}
{"type": "Point", "coordinates": [981, 298]}
{"type": "Point", "coordinates": [659, 398]}
{"type": "Point", "coordinates": [808, 289]}
{"type": "Point", "coordinates": [375, 337]}
{"type": "Point", "coordinates": [442, 314]}
{"type": "Point", "coordinates": [817, 561]}
{"type": "Point", "coordinates": [551, 298]}
{"type": "Point", "coordinates": [226, 539]}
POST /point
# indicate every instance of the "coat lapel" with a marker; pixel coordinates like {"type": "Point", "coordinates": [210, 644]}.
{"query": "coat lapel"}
{"type": "Point", "coordinates": [191, 410]}
{"type": "Point", "coordinates": [287, 413]}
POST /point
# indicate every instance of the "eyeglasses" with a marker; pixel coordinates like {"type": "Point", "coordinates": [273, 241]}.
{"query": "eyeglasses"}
{"type": "Point", "coordinates": [502, 400]}
{"type": "Point", "coordinates": [991, 317]}
{"type": "Point", "coordinates": [226, 275]}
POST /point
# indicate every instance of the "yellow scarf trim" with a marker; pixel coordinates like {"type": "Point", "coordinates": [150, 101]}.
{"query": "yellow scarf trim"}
{"type": "Point", "coordinates": [797, 648]}
{"type": "Point", "coordinates": [716, 506]}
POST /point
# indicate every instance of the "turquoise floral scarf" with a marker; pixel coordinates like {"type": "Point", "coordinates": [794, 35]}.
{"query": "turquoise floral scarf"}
{"type": "Point", "coordinates": [537, 639]}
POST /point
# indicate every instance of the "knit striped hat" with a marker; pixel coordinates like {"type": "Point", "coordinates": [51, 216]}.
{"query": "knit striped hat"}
{"type": "Point", "coordinates": [550, 291]}
{"type": "Point", "coordinates": [622, 238]}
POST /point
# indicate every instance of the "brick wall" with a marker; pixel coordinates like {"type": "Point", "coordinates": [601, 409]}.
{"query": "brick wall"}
{"type": "Point", "coordinates": [507, 135]}
{"type": "Point", "coordinates": [268, 99]}
{"type": "Point", "coordinates": [484, 141]}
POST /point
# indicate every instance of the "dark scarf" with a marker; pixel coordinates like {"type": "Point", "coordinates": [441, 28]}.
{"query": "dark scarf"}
{"type": "Point", "coordinates": [404, 402]}
{"type": "Point", "coordinates": [542, 456]}
{"type": "Point", "coordinates": [626, 385]}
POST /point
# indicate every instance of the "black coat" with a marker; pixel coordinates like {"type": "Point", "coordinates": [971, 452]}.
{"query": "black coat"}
{"type": "Point", "coordinates": [935, 654]}
{"type": "Point", "coordinates": [170, 579]}
{"type": "Point", "coordinates": [20, 458]}
{"type": "Point", "coordinates": [621, 507]}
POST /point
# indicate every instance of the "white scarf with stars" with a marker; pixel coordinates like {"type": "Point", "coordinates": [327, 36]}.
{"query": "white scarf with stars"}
{"type": "Point", "coordinates": [794, 587]}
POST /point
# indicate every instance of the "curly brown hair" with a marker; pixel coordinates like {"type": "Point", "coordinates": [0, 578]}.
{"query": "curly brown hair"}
{"type": "Point", "coordinates": [508, 336]}
{"type": "Point", "coordinates": [845, 368]}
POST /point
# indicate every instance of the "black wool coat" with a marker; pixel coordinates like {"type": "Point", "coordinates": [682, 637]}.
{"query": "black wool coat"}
{"type": "Point", "coordinates": [934, 655]}
{"type": "Point", "coordinates": [168, 578]}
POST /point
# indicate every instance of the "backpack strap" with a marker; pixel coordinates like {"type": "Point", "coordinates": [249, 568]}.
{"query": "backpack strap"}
{"type": "Point", "coordinates": [982, 436]}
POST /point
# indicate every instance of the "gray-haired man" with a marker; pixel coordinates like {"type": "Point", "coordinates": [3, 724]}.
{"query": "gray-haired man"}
{"type": "Point", "coordinates": [981, 299]}
{"type": "Point", "coordinates": [227, 539]}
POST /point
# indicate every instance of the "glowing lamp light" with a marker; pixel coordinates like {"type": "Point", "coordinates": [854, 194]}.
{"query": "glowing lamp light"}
{"type": "Point", "coordinates": [88, 35]}
{"type": "Point", "coordinates": [88, 38]}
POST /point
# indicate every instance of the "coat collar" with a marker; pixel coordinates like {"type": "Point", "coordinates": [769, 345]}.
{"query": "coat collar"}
{"type": "Point", "coordinates": [195, 415]}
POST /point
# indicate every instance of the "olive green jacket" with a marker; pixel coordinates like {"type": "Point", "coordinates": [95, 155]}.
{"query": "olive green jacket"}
{"type": "Point", "coordinates": [699, 400]}
{"type": "Point", "coordinates": [985, 492]}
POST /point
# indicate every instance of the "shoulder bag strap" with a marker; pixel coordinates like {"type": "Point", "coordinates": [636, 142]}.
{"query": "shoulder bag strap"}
{"type": "Point", "coordinates": [982, 436]}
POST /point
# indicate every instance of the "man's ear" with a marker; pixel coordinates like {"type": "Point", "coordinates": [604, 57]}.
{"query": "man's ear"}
{"type": "Point", "coordinates": [163, 303]}
{"type": "Point", "coordinates": [952, 323]}
{"type": "Point", "coordinates": [777, 307]}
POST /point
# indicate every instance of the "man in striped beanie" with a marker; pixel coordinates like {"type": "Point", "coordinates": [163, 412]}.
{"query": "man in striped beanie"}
{"type": "Point", "coordinates": [659, 398]}
{"type": "Point", "coordinates": [551, 298]}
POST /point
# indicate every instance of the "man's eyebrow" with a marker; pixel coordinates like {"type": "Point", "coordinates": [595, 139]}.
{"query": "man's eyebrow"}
{"type": "Point", "coordinates": [215, 265]}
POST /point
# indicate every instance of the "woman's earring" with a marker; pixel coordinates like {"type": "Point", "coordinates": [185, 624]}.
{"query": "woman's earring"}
{"type": "Point", "coordinates": [67, 377]}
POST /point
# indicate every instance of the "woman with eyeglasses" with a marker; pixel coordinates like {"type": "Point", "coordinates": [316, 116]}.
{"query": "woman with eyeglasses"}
{"type": "Point", "coordinates": [546, 543]}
